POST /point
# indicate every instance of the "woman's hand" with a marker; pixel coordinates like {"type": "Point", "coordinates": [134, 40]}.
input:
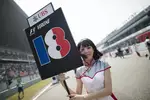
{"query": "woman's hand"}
{"type": "Point", "coordinates": [77, 97]}
{"type": "Point", "coordinates": [61, 77]}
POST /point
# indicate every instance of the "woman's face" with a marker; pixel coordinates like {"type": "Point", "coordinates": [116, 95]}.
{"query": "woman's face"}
{"type": "Point", "coordinates": [87, 51]}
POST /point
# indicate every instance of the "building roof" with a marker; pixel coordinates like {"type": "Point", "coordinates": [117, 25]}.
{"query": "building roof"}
{"type": "Point", "coordinates": [125, 26]}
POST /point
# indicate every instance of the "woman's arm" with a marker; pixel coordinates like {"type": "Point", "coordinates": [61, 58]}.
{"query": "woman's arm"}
{"type": "Point", "coordinates": [107, 88]}
{"type": "Point", "coordinates": [79, 86]}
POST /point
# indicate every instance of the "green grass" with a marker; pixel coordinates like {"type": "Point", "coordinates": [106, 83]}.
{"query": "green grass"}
{"type": "Point", "coordinates": [32, 90]}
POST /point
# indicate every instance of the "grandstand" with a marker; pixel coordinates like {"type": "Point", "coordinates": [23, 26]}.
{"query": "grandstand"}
{"type": "Point", "coordinates": [128, 34]}
{"type": "Point", "coordinates": [16, 59]}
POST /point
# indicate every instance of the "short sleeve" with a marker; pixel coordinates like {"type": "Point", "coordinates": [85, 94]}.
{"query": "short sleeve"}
{"type": "Point", "coordinates": [77, 74]}
{"type": "Point", "coordinates": [106, 65]}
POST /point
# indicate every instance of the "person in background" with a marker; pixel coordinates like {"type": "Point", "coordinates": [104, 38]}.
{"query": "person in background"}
{"type": "Point", "coordinates": [94, 75]}
{"type": "Point", "coordinates": [55, 80]}
{"type": "Point", "coordinates": [20, 88]}
{"type": "Point", "coordinates": [147, 43]}
{"type": "Point", "coordinates": [120, 52]}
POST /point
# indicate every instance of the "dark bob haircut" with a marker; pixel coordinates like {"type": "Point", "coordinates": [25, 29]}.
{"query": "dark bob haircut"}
{"type": "Point", "coordinates": [88, 42]}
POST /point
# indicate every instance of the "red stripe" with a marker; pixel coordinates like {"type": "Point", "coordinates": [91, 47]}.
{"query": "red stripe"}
{"type": "Point", "coordinates": [61, 41]}
{"type": "Point", "coordinates": [113, 96]}
{"type": "Point", "coordinates": [58, 32]}
{"type": "Point", "coordinates": [94, 74]}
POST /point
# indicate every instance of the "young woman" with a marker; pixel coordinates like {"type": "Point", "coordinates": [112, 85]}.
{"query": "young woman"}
{"type": "Point", "coordinates": [94, 75]}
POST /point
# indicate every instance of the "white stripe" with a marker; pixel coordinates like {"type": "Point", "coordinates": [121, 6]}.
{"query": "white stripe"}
{"type": "Point", "coordinates": [41, 92]}
{"type": "Point", "coordinates": [52, 45]}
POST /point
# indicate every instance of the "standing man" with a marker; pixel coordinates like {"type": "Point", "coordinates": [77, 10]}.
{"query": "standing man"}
{"type": "Point", "coordinates": [120, 53]}
{"type": "Point", "coordinates": [20, 88]}
{"type": "Point", "coordinates": [147, 43]}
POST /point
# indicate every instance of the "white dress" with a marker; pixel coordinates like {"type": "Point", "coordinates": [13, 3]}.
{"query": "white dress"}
{"type": "Point", "coordinates": [93, 78]}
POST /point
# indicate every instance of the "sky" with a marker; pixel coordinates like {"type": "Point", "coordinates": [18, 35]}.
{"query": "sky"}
{"type": "Point", "coordinates": [93, 19]}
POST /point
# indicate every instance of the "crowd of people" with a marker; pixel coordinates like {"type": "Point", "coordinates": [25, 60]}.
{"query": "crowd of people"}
{"type": "Point", "coordinates": [11, 70]}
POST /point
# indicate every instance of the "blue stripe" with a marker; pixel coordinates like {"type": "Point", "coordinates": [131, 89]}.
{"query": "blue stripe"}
{"type": "Point", "coordinates": [41, 50]}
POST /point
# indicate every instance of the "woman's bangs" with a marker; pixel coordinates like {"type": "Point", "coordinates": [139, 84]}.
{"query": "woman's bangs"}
{"type": "Point", "coordinates": [85, 43]}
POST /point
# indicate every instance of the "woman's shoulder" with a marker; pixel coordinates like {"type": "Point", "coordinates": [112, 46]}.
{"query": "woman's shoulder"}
{"type": "Point", "coordinates": [103, 64]}
{"type": "Point", "coordinates": [81, 69]}
{"type": "Point", "coordinates": [101, 60]}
